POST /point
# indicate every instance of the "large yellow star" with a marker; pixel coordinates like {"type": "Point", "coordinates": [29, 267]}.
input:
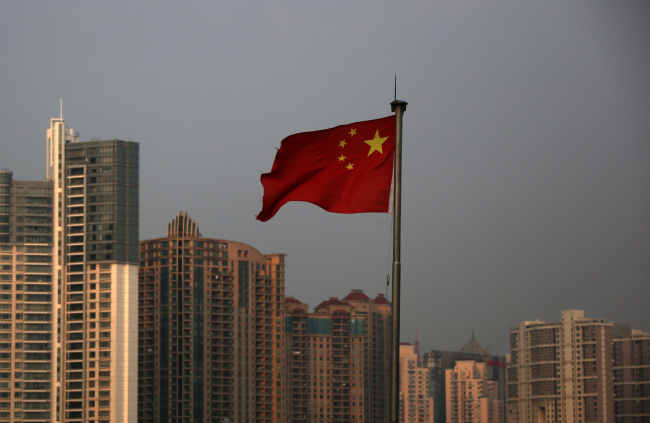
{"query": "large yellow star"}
{"type": "Point", "coordinates": [375, 143]}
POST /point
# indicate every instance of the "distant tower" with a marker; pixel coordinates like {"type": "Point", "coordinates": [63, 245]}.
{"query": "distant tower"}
{"type": "Point", "coordinates": [473, 347]}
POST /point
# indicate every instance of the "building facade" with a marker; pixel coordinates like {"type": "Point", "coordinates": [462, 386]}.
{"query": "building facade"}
{"type": "Point", "coordinates": [438, 362]}
{"type": "Point", "coordinates": [95, 268]}
{"type": "Point", "coordinates": [337, 359]}
{"type": "Point", "coordinates": [561, 372]}
{"type": "Point", "coordinates": [73, 244]}
{"type": "Point", "coordinates": [211, 329]}
{"type": "Point", "coordinates": [416, 402]}
{"type": "Point", "coordinates": [470, 395]}
{"type": "Point", "coordinates": [631, 375]}
{"type": "Point", "coordinates": [28, 362]}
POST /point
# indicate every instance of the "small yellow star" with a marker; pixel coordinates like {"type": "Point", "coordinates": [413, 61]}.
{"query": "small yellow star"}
{"type": "Point", "coordinates": [342, 157]}
{"type": "Point", "coordinates": [350, 166]}
{"type": "Point", "coordinates": [375, 143]}
{"type": "Point", "coordinates": [342, 143]}
{"type": "Point", "coordinates": [352, 132]}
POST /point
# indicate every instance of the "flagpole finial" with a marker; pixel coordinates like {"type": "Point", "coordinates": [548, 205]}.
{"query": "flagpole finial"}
{"type": "Point", "coordinates": [394, 104]}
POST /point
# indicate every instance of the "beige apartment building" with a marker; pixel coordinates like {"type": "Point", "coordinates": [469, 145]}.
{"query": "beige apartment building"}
{"type": "Point", "coordinates": [337, 360]}
{"type": "Point", "coordinates": [416, 402]}
{"type": "Point", "coordinates": [27, 350]}
{"type": "Point", "coordinates": [437, 362]}
{"type": "Point", "coordinates": [561, 372]}
{"type": "Point", "coordinates": [631, 375]}
{"type": "Point", "coordinates": [471, 396]}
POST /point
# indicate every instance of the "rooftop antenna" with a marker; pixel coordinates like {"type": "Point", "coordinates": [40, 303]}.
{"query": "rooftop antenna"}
{"type": "Point", "coordinates": [417, 345]}
{"type": "Point", "coordinates": [61, 107]}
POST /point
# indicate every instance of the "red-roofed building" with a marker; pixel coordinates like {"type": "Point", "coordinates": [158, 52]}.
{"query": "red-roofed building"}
{"type": "Point", "coordinates": [356, 295]}
{"type": "Point", "coordinates": [380, 299]}
{"type": "Point", "coordinates": [332, 304]}
{"type": "Point", "coordinates": [338, 359]}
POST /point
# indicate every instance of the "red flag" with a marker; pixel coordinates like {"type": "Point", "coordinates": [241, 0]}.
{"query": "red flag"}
{"type": "Point", "coordinates": [346, 169]}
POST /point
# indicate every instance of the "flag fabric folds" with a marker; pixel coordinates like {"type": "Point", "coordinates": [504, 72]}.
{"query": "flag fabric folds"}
{"type": "Point", "coordinates": [345, 169]}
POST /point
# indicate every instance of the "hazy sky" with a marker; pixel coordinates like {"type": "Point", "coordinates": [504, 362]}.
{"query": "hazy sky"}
{"type": "Point", "coordinates": [526, 141]}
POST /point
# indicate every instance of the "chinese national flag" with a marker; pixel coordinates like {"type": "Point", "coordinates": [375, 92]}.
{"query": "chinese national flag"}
{"type": "Point", "coordinates": [346, 169]}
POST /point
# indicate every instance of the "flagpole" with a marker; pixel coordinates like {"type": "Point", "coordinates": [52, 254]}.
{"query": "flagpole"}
{"type": "Point", "coordinates": [399, 107]}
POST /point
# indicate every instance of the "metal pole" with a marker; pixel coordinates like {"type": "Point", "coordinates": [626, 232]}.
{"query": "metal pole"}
{"type": "Point", "coordinates": [399, 107]}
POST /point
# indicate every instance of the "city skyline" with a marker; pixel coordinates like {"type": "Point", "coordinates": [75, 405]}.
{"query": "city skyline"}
{"type": "Point", "coordinates": [525, 141]}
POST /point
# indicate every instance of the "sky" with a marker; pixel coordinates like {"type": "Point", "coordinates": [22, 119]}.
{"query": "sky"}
{"type": "Point", "coordinates": [526, 184]}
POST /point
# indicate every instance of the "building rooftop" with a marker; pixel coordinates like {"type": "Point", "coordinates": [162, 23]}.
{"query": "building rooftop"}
{"type": "Point", "coordinates": [474, 347]}
{"type": "Point", "coordinates": [356, 295]}
{"type": "Point", "coordinates": [380, 299]}
{"type": "Point", "coordinates": [332, 301]}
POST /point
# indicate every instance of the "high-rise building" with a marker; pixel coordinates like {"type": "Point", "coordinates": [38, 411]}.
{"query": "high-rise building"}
{"type": "Point", "coordinates": [338, 361]}
{"type": "Point", "coordinates": [27, 355]}
{"type": "Point", "coordinates": [561, 372]}
{"type": "Point", "coordinates": [72, 252]}
{"type": "Point", "coordinates": [211, 329]}
{"type": "Point", "coordinates": [438, 362]}
{"type": "Point", "coordinates": [470, 395]}
{"type": "Point", "coordinates": [416, 402]}
{"type": "Point", "coordinates": [631, 375]}
{"type": "Point", "coordinates": [95, 265]}
{"type": "Point", "coordinates": [377, 313]}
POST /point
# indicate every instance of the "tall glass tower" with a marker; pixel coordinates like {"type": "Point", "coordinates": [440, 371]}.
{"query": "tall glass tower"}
{"type": "Point", "coordinates": [95, 271]}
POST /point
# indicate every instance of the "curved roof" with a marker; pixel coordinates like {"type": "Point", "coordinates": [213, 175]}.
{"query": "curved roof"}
{"type": "Point", "coordinates": [474, 347]}
{"type": "Point", "coordinates": [332, 301]}
{"type": "Point", "coordinates": [380, 299]}
{"type": "Point", "coordinates": [183, 225]}
{"type": "Point", "coordinates": [356, 295]}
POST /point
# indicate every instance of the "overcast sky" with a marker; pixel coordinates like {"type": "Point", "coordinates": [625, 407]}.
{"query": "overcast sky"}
{"type": "Point", "coordinates": [526, 184]}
